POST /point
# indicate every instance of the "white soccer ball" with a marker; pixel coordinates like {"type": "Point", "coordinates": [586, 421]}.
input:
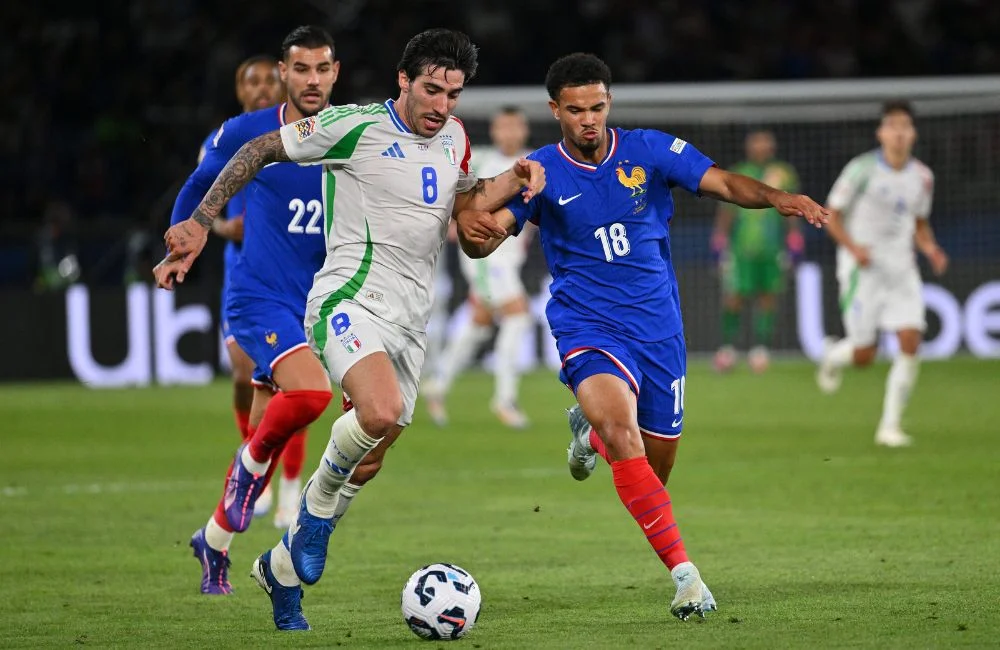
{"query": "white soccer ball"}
{"type": "Point", "coordinates": [441, 602]}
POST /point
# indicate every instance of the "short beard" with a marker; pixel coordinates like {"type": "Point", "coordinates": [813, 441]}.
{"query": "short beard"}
{"type": "Point", "coordinates": [589, 147]}
{"type": "Point", "coordinates": [413, 118]}
{"type": "Point", "coordinates": [304, 112]}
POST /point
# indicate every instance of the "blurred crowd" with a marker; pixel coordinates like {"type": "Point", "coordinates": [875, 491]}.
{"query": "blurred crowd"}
{"type": "Point", "coordinates": [106, 103]}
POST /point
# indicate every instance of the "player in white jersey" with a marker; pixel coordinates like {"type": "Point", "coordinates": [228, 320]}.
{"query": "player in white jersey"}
{"type": "Point", "coordinates": [881, 203]}
{"type": "Point", "coordinates": [495, 292]}
{"type": "Point", "coordinates": [394, 176]}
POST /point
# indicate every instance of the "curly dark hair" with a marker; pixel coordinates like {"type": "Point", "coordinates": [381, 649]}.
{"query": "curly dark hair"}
{"type": "Point", "coordinates": [577, 69]}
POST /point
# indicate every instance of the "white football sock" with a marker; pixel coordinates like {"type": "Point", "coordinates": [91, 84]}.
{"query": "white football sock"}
{"type": "Point", "coordinates": [217, 537]}
{"type": "Point", "coordinates": [252, 465]}
{"type": "Point", "coordinates": [348, 445]}
{"type": "Point", "coordinates": [344, 498]}
{"type": "Point", "coordinates": [898, 385]}
{"type": "Point", "coordinates": [289, 491]}
{"type": "Point", "coordinates": [509, 339]}
{"type": "Point", "coordinates": [841, 353]}
{"type": "Point", "coordinates": [460, 351]}
{"type": "Point", "coordinates": [282, 567]}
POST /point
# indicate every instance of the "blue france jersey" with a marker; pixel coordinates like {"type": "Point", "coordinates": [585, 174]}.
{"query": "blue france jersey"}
{"type": "Point", "coordinates": [283, 242]}
{"type": "Point", "coordinates": [605, 233]}
{"type": "Point", "coordinates": [235, 208]}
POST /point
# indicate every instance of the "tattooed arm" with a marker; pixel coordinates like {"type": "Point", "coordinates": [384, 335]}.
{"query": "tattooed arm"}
{"type": "Point", "coordinates": [241, 168]}
{"type": "Point", "coordinates": [186, 239]}
{"type": "Point", "coordinates": [489, 194]}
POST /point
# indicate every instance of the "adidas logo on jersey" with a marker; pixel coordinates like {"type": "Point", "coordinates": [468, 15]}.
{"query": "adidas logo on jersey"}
{"type": "Point", "coordinates": [395, 151]}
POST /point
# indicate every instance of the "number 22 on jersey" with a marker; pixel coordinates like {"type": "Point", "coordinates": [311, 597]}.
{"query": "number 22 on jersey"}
{"type": "Point", "coordinates": [299, 208]}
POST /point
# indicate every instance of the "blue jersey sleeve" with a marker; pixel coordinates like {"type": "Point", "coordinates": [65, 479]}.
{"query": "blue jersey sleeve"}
{"type": "Point", "coordinates": [678, 161]}
{"type": "Point", "coordinates": [525, 212]}
{"type": "Point", "coordinates": [216, 153]}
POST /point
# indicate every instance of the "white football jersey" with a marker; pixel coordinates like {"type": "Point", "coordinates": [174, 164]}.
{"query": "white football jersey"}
{"type": "Point", "coordinates": [880, 207]}
{"type": "Point", "coordinates": [388, 195]}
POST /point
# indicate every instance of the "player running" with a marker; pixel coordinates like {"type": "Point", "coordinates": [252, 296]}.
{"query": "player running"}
{"type": "Point", "coordinates": [880, 206]}
{"type": "Point", "coordinates": [495, 292]}
{"type": "Point", "coordinates": [752, 245]}
{"type": "Point", "coordinates": [283, 246]}
{"type": "Point", "coordinates": [603, 220]}
{"type": "Point", "coordinates": [393, 176]}
{"type": "Point", "coordinates": [258, 85]}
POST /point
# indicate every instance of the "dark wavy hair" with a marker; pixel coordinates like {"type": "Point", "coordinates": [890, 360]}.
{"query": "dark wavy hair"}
{"type": "Point", "coordinates": [439, 48]}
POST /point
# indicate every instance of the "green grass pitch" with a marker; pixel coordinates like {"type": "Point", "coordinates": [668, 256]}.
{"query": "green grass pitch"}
{"type": "Point", "coordinates": [808, 534]}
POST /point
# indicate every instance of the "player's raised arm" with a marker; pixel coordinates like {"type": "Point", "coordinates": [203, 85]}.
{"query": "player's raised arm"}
{"type": "Point", "coordinates": [749, 193]}
{"type": "Point", "coordinates": [526, 177]}
{"type": "Point", "coordinates": [481, 232]}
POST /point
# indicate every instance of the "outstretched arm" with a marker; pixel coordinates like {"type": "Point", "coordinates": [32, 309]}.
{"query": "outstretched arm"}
{"type": "Point", "coordinates": [489, 194]}
{"type": "Point", "coordinates": [185, 240]}
{"type": "Point", "coordinates": [749, 193]}
{"type": "Point", "coordinates": [243, 166]}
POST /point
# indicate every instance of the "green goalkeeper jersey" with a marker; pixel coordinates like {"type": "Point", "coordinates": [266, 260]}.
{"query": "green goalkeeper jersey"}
{"type": "Point", "coordinates": [761, 233]}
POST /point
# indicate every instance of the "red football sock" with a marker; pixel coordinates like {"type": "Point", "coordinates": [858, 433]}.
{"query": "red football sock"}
{"type": "Point", "coordinates": [649, 503]}
{"type": "Point", "coordinates": [598, 445]}
{"type": "Point", "coordinates": [243, 423]}
{"type": "Point", "coordinates": [286, 413]}
{"type": "Point", "coordinates": [294, 455]}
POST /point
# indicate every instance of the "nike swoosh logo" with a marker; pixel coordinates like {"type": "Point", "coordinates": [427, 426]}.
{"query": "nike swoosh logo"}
{"type": "Point", "coordinates": [676, 423]}
{"type": "Point", "coordinates": [652, 523]}
{"type": "Point", "coordinates": [563, 201]}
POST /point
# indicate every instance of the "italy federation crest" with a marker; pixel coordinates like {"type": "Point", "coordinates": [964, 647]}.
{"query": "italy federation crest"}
{"type": "Point", "coordinates": [350, 342]}
{"type": "Point", "coordinates": [448, 143]}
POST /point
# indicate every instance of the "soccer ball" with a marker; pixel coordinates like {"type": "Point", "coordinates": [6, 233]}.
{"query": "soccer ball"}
{"type": "Point", "coordinates": [441, 602]}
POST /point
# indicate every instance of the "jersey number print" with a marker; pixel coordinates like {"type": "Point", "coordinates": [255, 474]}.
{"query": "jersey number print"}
{"type": "Point", "coordinates": [614, 240]}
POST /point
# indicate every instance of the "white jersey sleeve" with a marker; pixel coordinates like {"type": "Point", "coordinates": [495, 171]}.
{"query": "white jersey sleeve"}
{"type": "Point", "coordinates": [926, 200]}
{"type": "Point", "coordinates": [852, 182]}
{"type": "Point", "coordinates": [331, 136]}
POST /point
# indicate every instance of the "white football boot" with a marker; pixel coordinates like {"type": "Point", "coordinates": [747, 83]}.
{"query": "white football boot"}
{"type": "Point", "coordinates": [693, 596]}
{"type": "Point", "coordinates": [580, 456]}
{"type": "Point", "coordinates": [828, 376]}
{"type": "Point", "coordinates": [892, 437]}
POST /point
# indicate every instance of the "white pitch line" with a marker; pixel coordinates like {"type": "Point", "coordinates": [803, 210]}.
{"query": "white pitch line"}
{"type": "Point", "coordinates": [104, 488]}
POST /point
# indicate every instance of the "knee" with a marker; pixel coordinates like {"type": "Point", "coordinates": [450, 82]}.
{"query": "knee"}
{"type": "Point", "coordinates": [909, 345]}
{"type": "Point", "coordinates": [379, 418]}
{"type": "Point", "coordinates": [622, 440]}
{"type": "Point", "coordinates": [865, 356]}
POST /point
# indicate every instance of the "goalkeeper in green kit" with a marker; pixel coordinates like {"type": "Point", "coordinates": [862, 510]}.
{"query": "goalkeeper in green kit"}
{"type": "Point", "coordinates": [753, 248]}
